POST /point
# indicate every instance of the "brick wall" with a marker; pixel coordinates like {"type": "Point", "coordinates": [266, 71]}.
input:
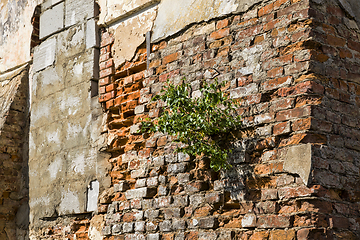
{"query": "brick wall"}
{"type": "Point", "coordinates": [14, 207]}
{"type": "Point", "coordinates": [294, 65]}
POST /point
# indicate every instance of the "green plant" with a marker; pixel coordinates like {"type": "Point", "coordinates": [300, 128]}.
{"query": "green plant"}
{"type": "Point", "coordinates": [204, 124]}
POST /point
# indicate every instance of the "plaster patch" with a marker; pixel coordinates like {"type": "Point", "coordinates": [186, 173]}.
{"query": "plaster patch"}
{"type": "Point", "coordinates": [78, 68]}
{"type": "Point", "coordinates": [73, 130]}
{"type": "Point", "coordinates": [53, 137]}
{"type": "Point", "coordinates": [92, 196]}
{"type": "Point", "coordinates": [70, 103]}
{"type": "Point", "coordinates": [39, 201]}
{"type": "Point", "coordinates": [55, 167]}
{"type": "Point", "coordinates": [114, 9]}
{"type": "Point", "coordinates": [252, 58]}
{"type": "Point", "coordinates": [38, 112]}
{"type": "Point", "coordinates": [130, 34]}
{"type": "Point", "coordinates": [78, 163]}
{"type": "Point", "coordinates": [175, 15]}
{"type": "Point", "coordinates": [69, 203]}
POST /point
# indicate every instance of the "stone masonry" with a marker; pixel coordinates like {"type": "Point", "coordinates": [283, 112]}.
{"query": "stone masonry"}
{"type": "Point", "coordinates": [83, 170]}
{"type": "Point", "coordinates": [14, 127]}
{"type": "Point", "coordinates": [294, 67]}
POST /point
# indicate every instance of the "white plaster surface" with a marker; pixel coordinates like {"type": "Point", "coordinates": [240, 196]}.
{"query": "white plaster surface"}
{"type": "Point", "coordinates": [117, 9]}
{"type": "Point", "coordinates": [130, 34]}
{"type": "Point", "coordinates": [52, 20]}
{"type": "Point", "coordinates": [44, 54]}
{"type": "Point", "coordinates": [175, 15]}
{"type": "Point", "coordinates": [69, 203]}
{"type": "Point", "coordinates": [92, 196]}
{"type": "Point", "coordinates": [15, 40]}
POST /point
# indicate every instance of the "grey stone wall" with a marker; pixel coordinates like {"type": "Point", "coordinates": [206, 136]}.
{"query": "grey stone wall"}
{"type": "Point", "coordinates": [66, 168]}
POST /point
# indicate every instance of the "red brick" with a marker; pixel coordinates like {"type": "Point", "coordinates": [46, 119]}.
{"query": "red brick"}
{"type": "Point", "coordinates": [275, 72]}
{"type": "Point", "coordinates": [293, 192]}
{"type": "Point", "coordinates": [281, 104]}
{"type": "Point", "coordinates": [282, 234]}
{"type": "Point", "coordinates": [266, 10]}
{"type": "Point", "coordinates": [261, 235]}
{"type": "Point", "coordinates": [276, 83]}
{"type": "Point", "coordinates": [107, 96]}
{"type": "Point", "coordinates": [279, 3]}
{"type": "Point", "coordinates": [219, 34]}
{"type": "Point", "coordinates": [102, 90]}
{"type": "Point", "coordinates": [268, 168]}
{"type": "Point", "coordinates": [354, 45]}
{"type": "Point", "coordinates": [293, 113]}
{"type": "Point", "coordinates": [273, 221]}
{"type": "Point", "coordinates": [170, 58]}
{"type": "Point", "coordinates": [222, 23]}
{"type": "Point", "coordinates": [106, 39]}
{"type": "Point", "coordinates": [281, 128]}
{"type": "Point", "coordinates": [304, 138]}
{"type": "Point", "coordinates": [106, 72]}
{"type": "Point", "coordinates": [109, 104]}
{"type": "Point", "coordinates": [104, 81]}
{"type": "Point", "coordinates": [271, 25]}
{"type": "Point", "coordinates": [110, 87]}
{"type": "Point", "coordinates": [335, 41]}
{"type": "Point", "coordinates": [301, 88]}
{"type": "Point", "coordinates": [104, 57]}
{"type": "Point", "coordinates": [301, 124]}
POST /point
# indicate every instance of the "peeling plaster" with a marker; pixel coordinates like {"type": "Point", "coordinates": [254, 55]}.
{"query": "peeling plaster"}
{"type": "Point", "coordinates": [130, 34]}
{"type": "Point", "coordinates": [15, 32]}
{"type": "Point", "coordinates": [113, 9]}
{"type": "Point", "coordinates": [69, 203]}
{"type": "Point", "coordinates": [55, 167]}
{"type": "Point", "coordinates": [176, 15]}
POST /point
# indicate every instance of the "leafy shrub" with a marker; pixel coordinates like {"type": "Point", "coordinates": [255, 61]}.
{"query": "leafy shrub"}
{"type": "Point", "coordinates": [204, 124]}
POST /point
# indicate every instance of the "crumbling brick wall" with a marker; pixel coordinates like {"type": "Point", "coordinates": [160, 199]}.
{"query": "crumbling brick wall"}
{"type": "Point", "coordinates": [14, 207]}
{"type": "Point", "coordinates": [295, 67]}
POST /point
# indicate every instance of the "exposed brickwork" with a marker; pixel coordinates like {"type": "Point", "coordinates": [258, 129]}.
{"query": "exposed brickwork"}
{"type": "Point", "coordinates": [294, 67]}
{"type": "Point", "coordinates": [13, 164]}
{"type": "Point", "coordinates": [305, 89]}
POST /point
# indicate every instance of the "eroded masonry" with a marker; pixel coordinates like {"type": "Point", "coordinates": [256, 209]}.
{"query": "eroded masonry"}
{"type": "Point", "coordinates": [77, 77]}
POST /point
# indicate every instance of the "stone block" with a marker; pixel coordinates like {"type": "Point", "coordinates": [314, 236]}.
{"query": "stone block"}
{"type": "Point", "coordinates": [78, 11]}
{"type": "Point", "coordinates": [46, 82]}
{"type": "Point", "coordinates": [44, 54]}
{"type": "Point", "coordinates": [92, 34]}
{"type": "Point", "coordinates": [71, 42]}
{"type": "Point", "coordinates": [52, 20]}
{"type": "Point", "coordinates": [165, 226]}
{"type": "Point", "coordinates": [298, 160]}
{"type": "Point", "coordinates": [49, 3]}
{"type": "Point", "coordinates": [128, 227]}
{"type": "Point", "coordinates": [153, 236]}
{"type": "Point", "coordinates": [92, 196]}
{"type": "Point", "coordinates": [140, 193]}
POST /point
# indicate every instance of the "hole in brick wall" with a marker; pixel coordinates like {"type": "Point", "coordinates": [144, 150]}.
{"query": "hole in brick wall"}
{"type": "Point", "coordinates": [97, 10]}
{"type": "Point", "coordinates": [35, 21]}
{"type": "Point", "coordinates": [94, 88]}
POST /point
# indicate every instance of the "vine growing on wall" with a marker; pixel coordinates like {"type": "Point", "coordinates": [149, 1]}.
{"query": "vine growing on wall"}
{"type": "Point", "coordinates": [203, 124]}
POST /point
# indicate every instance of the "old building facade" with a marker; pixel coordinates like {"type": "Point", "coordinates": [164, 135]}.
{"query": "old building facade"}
{"type": "Point", "coordinates": [78, 77]}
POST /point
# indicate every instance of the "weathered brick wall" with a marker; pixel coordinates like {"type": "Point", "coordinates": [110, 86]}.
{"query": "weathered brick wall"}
{"type": "Point", "coordinates": [294, 66]}
{"type": "Point", "coordinates": [14, 207]}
